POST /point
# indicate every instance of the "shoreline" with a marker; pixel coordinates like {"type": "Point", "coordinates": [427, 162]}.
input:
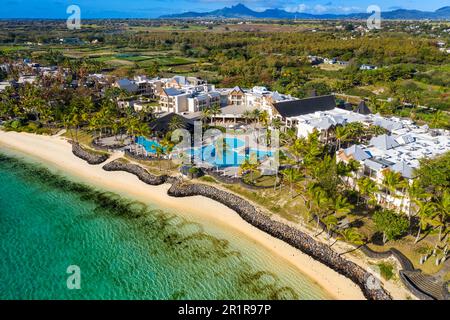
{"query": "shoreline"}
{"type": "Point", "coordinates": [58, 152]}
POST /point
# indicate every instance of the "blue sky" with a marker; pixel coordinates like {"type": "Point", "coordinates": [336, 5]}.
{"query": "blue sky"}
{"type": "Point", "coordinates": [155, 8]}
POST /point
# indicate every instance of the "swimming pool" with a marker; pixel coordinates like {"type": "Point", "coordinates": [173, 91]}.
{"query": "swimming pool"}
{"type": "Point", "coordinates": [228, 158]}
{"type": "Point", "coordinates": [149, 145]}
{"type": "Point", "coordinates": [233, 156]}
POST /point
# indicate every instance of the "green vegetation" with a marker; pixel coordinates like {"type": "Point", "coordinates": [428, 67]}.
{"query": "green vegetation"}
{"type": "Point", "coordinates": [392, 225]}
{"type": "Point", "coordinates": [412, 80]}
{"type": "Point", "coordinates": [208, 179]}
{"type": "Point", "coordinates": [386, 270]}
{"type": "Point", "coordinates": [412, 72]}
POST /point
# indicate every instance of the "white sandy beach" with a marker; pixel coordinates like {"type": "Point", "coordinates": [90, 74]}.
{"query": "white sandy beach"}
{"type": "Point", "coordinates": [57, 152]}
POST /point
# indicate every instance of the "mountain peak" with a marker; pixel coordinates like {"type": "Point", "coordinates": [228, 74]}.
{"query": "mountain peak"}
{"type": "Point", "coordinates": [446, 8]}
{"type": "Point", "coordinates": [239, 6]}
{"type": "Point", "coordinates": [242, 11]}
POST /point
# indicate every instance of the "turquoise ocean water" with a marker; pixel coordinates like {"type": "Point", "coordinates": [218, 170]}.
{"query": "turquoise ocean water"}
{"type": "Point", "coordinates": [124, 249]}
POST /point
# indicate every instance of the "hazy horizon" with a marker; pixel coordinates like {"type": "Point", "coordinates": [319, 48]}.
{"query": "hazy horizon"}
{"type": "Point", "coordinates": [56, 9]}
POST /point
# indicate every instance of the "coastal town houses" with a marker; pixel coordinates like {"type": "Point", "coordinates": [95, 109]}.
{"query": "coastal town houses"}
{"type": "Point", "coordinates": [140, 85]}
{"type": "Point", "coordinates": [126, 85]}
{"type": "Point", "coordinates": [181, 82]}
{"type": "Point", "coordinates": [148, 87]}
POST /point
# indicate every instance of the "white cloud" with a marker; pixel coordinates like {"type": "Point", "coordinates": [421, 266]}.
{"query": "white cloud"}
{"type": "Point", "coordinates": [298, 8]}
{"type": "Point", "coordinates": [320, 8]}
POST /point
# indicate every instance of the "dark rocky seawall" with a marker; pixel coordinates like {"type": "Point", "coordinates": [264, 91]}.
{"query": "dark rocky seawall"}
{"type": "Point", "coordinates": [89, 157]}
{"type": "Point", "coordinates": [250, 214]}
{"type": "Point", "coordinates": [294, 237]}
{"type": "Point", "coordinates": [139, 172]}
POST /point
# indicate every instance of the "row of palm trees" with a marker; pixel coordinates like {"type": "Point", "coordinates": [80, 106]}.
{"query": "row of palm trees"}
{"type": "Point", "coordinates": [210, 113]}
{"type": "Point", "coordinates": [311, 162]}
{"type": "Point", "coordinates": [414, 200]}
{"type": "Point", "coordinates": [354, 133]}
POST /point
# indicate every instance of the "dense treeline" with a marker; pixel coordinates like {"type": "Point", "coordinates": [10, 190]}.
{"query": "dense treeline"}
{"type": "Point", "coordinates": [411, 68]}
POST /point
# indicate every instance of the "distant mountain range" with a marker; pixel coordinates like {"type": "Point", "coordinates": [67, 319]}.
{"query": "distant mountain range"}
{"type": "Point", "coordinates": [240, 11]}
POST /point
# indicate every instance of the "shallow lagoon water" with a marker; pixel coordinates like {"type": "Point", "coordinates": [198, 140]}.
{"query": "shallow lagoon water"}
{"type": "Point", "coordinates": [125, 249]}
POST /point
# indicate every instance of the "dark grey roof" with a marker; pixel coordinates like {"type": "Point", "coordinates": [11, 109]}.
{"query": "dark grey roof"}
{"type": "Point", "coordinates": [363, 108]}
{"type": "Point", "coordinates": [296, 108]}
{"type": "Point", "coordinates": [345, 105]}
{"type": "Point", "coordinates": [161, 124]}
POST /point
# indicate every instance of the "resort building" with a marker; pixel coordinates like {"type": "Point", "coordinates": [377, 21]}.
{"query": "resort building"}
{"type": "Point", "coordinates": [199, 101]}
{"type": "Point", "coordinates": [236, 97]}
{"type": "Point", "coordinates": [127, 85]}
{"type": "Point", "coordinates": [399, 151]}
{"type": "Point", "coordinates": [140, 85]}
{"type": "Point", "coordinates": [148, 87]}
{"type": "Point", "coordinates": [173, 100]}
{"type": "Point", "coordinates": [308, 114]}
{"type": "Point", "coordinates": [181, 82]}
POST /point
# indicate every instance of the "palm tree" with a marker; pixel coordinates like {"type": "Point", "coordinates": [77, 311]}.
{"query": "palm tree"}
{"type": "Point", "coordinates": [415, 193]}
{"type": "Point", "coordinates": [263, 118]}
{"type": "Point", "coordinates": [355, 131]}
{"type": "Point", "coordinates": [292, 175]}
{"type": "Point", "coordinates": [176, 123]}
{"type": "Point", "coordinates": [94, 124]}
{"type": "Point", "coordinates": [247, 115]}
{"type": "Point", "coordinates": [330, 221]}
{"type": "Point", "coordinates": [376, 130]}
{"type": "Point", "coordinates": [354, 167]}
{"type": "Point", "coordinates": [341, 206]}
{"type": "Point", "coordinates": [75, 120]}
{"type": "Point", "coordinates": [341, 133]}
{"type": "Point", "coordinates": [160, 151]}
{"type": "Point", "coordinates": [319, 200]}
{"type": "Point", "coordinates": [256, 115]}
{"type": "Point", "coordinates": [142, 130]}
{"type": "Point", "coordinates": [392, 180]}
{"type": "Point", "coordinates": [353, 236]}
{"type": "Point", "coordinates": [443, 207]}
{"type": "Point", "coordinates": [214, 111]}
{"type": "Point", "coordinates": [131, 125]}
{"type": "Point", "coordinates": [68, 124]}
{"type": "Point", "coordinates": [276, 123]}
{"type": "Point", "coordinates": [206, 114]}
{"type": "Point", "coordinates": [427, 213]}
{"type": "Point", "coordinates": [221, 148]}
{"type": "Point", "coordinates": [250, 167]}
{"type": "Point", "coordinates": [367, 188]}
{"type": "Point", "coordinates": [167, 145]}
